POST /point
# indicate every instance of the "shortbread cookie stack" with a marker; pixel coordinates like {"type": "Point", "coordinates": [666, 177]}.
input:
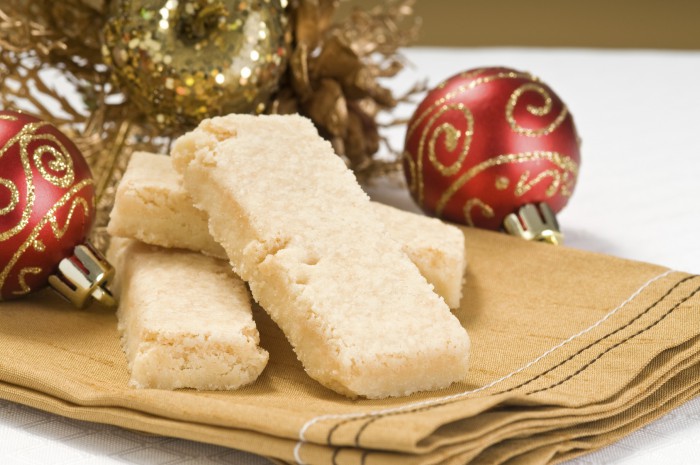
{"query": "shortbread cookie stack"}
{"type": "Point", "coordinates": [187, 320]}
{"type": "Point", "coordinates": [152, 206]}
{"type": "Point", "coordinates": [332, 269]}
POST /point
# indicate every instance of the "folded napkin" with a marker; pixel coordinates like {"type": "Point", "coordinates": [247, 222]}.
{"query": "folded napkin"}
{"type": "Point", "coordinates": [571, 351]}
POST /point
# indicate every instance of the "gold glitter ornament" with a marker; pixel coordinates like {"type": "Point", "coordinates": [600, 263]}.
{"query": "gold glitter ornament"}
{"type": "Point", "coordinates": [181, 61]}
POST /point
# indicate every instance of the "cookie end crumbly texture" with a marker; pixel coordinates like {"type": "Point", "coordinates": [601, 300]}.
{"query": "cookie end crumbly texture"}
{"type": "Point", "coordinates": [298, 228]}
{"type": "Point", "coordinates": [185, 320]}
{"type": "Point", "coordinates": [435, 247]}
{"type": "Point", "coordinates": [150, 205]}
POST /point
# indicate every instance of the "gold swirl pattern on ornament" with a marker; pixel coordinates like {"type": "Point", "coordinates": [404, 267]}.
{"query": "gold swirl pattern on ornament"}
{"type": "Point", "coordinates": [14, 196]}
{"type": "Point", "coordinates": [21, 138]}
{"type": "Point", "coordinates": [418, 185]}
{"type": "Point", "coordinates": [24, 288]}
{"type": "Point", "coordinates": [534, 110]}
{"type": "Point", "coordinates": [567, 186]}
{"type": "Point", "coordinates": [50, 217]}
{"type": "Point", "coordinates": [411, 170]}
{"type": "Point", "coordinates": [61, 161]}
{"type": "Point", "coordinates": [486, 210]}
{"type": "Point", "coordinates": [523, 186]}
{"type": "Point", "coordinates": [565, 163]}
{"type": "Point", "coordinates": [501, 183]}
{"type": "Point", "coordinates": [463, 88]}
{"type": "Point", "coordinates": [452, 136]}
{"type": "Point", "coordinates": [58, 232]}
{"type": "Point", "coordinates": [8, 118]}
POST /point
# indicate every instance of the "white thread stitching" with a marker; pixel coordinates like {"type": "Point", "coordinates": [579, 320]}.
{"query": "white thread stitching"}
{"type": "Point", "coordinates": [425, 403]}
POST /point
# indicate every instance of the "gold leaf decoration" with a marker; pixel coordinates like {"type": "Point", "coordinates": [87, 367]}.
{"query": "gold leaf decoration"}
{"type": "Point", "coordinates": [334, 72]}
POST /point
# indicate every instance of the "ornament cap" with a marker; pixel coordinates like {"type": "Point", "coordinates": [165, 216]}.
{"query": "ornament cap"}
{"type": "Point", "coordinates": [84, 276]}
{"type": "Point", "coordinates": [534, 223]}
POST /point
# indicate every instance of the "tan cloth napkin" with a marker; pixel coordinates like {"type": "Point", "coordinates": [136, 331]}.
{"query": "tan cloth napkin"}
{"type": "Point", "coordinates": [571, 351]}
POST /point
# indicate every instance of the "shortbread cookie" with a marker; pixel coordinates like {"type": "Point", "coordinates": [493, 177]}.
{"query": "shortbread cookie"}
{"type": "Point", "coordinates": [152, 206]}
{"type": "Point", "coordinates": [185, 319]}
{"type": "Point", "coordinates": [436, 248]}
{"type": "Point", "coordinates": [299, 229]}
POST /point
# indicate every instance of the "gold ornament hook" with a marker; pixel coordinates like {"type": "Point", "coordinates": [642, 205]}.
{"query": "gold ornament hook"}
{"type": "Point", "coordinates": [84, 276]}
{"type": "Point", "coordinates": [534, 223]}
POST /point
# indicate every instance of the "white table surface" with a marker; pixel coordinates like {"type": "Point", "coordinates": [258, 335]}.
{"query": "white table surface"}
{"type": "Point", "coordinates": [638, 197]}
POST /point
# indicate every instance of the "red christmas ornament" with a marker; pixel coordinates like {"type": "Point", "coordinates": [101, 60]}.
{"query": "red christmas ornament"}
{"type": "Point", "coordinates": [46, 210]}
{"type": "Point", "coordinates": [488, 141]}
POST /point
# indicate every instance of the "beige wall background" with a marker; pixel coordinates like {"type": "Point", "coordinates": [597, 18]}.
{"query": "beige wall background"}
{"type": "Point", "coordinates": [671, 24]}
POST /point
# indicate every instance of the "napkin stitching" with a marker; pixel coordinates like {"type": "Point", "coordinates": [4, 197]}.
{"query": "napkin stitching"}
{"type": "Point", "coordinates": [351, 416]}
{"type": "Point", "coordinates": [619, 343]}
{"type": "Point", "coordinates": [647, 310]}
{"type": "Point", "coordinates": [335, 455]}
{"type": "Point", "coordinates": [583, 349]}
